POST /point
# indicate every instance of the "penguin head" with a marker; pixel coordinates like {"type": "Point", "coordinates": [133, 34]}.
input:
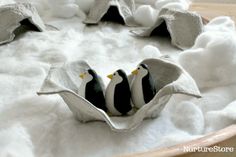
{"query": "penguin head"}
{"type": "Point", "coordinates": [141, 71]}
{"type": "Point", "coordinates": [88, 75]}
{"type": "Point", "coordinates": [117, 76]}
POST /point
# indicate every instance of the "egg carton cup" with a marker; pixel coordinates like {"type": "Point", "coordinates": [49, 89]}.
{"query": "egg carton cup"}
{"type": "Point", "coordinates": [183, 27]}
{"type": "Point", "coordinates": [169, 78]}
{"type": "Point", "coordinates": [12, 16]}
{"type": "Point", "coordinates": [125, 8]}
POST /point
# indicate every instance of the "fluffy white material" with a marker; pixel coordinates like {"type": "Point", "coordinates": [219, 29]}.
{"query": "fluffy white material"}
{"type": "Point", "coordinates": [70, 8]}
{"type": "Point", "coordinates": [191, 121]}
{"type": "Point", "coordinates": [63, 8]}
{"type": "Point", "coordinates": [15, 142]}
{"type": "Point", "coordinates": [65, 11]}
{"type": "Point", "coordinates": [149, 2]}
{"type": "Point", "coordinates": [212, 60]}
{"type": "Point", "coordinates": [44, 126]}
{"type": "Point", "coordinates": [41, 6]}
{"type": "Point", "coordinates": [221, 118]}
{"type": "Point", "coordinates": [61, 1]}
{"type": "Point", "coordinates": [53, 129]}
{"type": "Point", "coordinates": [216, 98]}
{"type": "Point", "coordinates": [4, 2]}
{"type": "Point", "coordinates": [150, 51]}
{"type": "Point", "coordinates": [174, 4]}
{"type": "Point", "coordinates": [222, 24]}
{"type": "Point", "coordinates": [145, 15]}
{"type": "Point", "coordinates": [85, 5]}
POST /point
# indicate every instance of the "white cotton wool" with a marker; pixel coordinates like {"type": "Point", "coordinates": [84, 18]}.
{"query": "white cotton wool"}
{"type": "Point", "coordinates": [174, 138]}
{"type": "Point", "coordinates": [48, 121]}
{"type": "Point", "coordinates": [221, 118]}
{"type": "Point", "coordinates": [65, 11]}
{"type": "Point", "coordinates": [145, 15]}
{"type": "Point", "coordinates": [188, 117]}
{"type": "Point", "coordinates": [41, 6]}
{"type": "Point", "coordinates": [85, 5]}
{"type": "Point", "coordinates": [177, 4]}
{"type": "Point", "coordinates": [150, 51]}
{"type": "Point", "coordinates": [16, 67]}
{"type": "Point", "coordinates": [216, 98]}
{"type": "Point", "coordinates": [230, 111]}
{"type": "Point", "coordinates": [200, 43]}
{"type": "Point", "coordinates": [60, 2]}
{"type": "Point", "coordinates": [15, 142]}
{"type": "Point", "coordinates": [4, 2]}
{"type": "Point", "coordinates": [63, 8]}
{"type": "Point", "coordinates": [222, 23]}
{"type": "Point", "coordinates": [149, 2]}
{"type": "Point", "coordinates": [212, 60]}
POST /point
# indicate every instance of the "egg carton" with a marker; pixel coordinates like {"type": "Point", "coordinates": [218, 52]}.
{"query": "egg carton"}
{"type": "Point", "coordinates": [12, 16]}
{"type": "Point", "coordinates": [183, 27]}
{"type": "Point", "coordinates": [170, 79]}
{"type": "Point", "coordinates": [125, 10]}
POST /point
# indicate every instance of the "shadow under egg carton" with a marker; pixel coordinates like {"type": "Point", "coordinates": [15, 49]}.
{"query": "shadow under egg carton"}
{"type": "Point", "coordinates": [169, 79]}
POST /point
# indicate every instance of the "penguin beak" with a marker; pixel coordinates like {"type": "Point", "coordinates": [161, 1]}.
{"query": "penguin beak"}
{"type": "Point", "coordinates": [82, 75]}
{"type": "Point", "coordinates": [135, 72]}
{"type": "Point", "coordinates": [110, 76]}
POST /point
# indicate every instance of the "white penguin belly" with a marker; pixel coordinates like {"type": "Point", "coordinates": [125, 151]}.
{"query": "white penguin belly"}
{"type": "Point", "coordinates": [81, 90]}
{"type": "Point", "coordinates": [109, 96]}
{"type": "Point", "coordinates": [137, 93]}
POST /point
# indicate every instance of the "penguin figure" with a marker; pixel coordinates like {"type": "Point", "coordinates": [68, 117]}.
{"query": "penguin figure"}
{"type": "Point", "coordinates": [118, 94]}
{"type": "Point", "coordinates": [91, 89]}
{"type": "Point", "coordinates": [142, 87]}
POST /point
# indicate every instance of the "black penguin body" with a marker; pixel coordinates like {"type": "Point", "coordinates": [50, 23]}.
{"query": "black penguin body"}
{"type": "Point", "coordinates": [94, 92]}
{"type": "Point", "coordinates": [122, 95]}
{"type": "Point", "coordinates": [148, 86]}
{"type": "Point", "coordinates": [149, 89]}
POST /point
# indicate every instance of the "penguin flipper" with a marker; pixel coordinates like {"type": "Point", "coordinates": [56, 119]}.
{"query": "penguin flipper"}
{"type": "Point", "coordinates": [149, 89]}
{"type": "Point", "coordinates": [94, 94]}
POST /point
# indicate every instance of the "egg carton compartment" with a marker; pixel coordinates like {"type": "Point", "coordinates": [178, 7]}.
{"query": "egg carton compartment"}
{"type": "Point", "coordinates": [16, 19]}
{"type": "Point", "coordinates": [169, 79]}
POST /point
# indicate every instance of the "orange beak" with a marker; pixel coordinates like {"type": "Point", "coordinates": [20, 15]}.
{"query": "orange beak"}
{"type": "Point", "coordinates": [82, 75]}
{"type": "Point", "coordinates": [110, 76]}
{"type": "Point", "coordinates": [135, 72]}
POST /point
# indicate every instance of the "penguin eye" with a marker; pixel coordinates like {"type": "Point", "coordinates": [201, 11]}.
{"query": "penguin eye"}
{"type": "Point", "coordinates": [114, 74]}
{"type": "Point", "coordinates": [138, 68]}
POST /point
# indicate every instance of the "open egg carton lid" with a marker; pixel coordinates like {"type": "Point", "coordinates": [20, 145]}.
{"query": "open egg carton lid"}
{"type": "Point", "coordinates": [125, 9]}
{"type": "Point", "coordinates": [183, 27]}
{"type": "Point", "coordinates": [170, 79]}
{"type": "Point", "coordinates": [13, 16]}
